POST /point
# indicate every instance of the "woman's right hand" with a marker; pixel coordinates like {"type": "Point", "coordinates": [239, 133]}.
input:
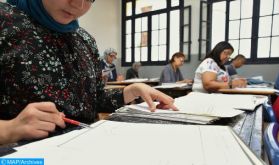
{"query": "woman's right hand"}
{"type": "Point", "coordinates": [239, 83]}
{"type": "Point", "coordinates": [36, 121]}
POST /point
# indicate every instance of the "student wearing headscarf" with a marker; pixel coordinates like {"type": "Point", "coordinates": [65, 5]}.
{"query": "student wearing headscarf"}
{"type": "Point", "coordinates": [46, 59]}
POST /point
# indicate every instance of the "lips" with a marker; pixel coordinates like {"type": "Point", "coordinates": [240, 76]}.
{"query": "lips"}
{"type": "Point", "coordinates": [68, 14]}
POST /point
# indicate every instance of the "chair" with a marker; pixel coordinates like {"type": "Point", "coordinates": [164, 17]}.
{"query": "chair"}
{"type": "Point", "coordinates": [271, 143]}
{"type": "Point", "coordinates": [268, 113]}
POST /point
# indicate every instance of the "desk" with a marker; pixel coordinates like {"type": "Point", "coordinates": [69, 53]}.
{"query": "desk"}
{"type": "Point", "coordinates": [252, 92]}
{"type": "Point", "coordinates": [114, 87]}
{"type": "Point", "coordinates": [176, 92]}
{"type": "Point", "coordinates": [151, 83]}
{"type": "Point", "coordinates": [247, 125]}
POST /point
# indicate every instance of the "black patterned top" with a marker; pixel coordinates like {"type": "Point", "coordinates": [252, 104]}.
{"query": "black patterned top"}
{"type": "Point", "coordinates": [38, 64]}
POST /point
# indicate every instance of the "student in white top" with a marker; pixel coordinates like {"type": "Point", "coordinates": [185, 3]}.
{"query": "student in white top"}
{"type": "Point", "coordinates": [211, 75]}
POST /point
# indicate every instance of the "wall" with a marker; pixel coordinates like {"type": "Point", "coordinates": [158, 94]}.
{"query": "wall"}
{"type": "Point", "coordinates": [103, 21]}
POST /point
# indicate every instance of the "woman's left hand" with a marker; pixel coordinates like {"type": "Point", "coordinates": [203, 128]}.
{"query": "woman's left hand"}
{"type": "Point", "coordinates": [148, 94]}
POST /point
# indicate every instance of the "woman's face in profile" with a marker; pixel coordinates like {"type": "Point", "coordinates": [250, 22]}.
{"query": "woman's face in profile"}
{"type": "Point", "coordinates": [225, 55]}
{"type": "Point", "coordinates": [65, 11]}
{"type": "Point", "coordinates": [179, 61]}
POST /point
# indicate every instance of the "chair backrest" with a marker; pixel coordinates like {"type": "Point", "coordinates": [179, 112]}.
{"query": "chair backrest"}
{"type": "Point", "coordinates": [271, 142]}
{"type": "Point", "coordinates": [268, 113]}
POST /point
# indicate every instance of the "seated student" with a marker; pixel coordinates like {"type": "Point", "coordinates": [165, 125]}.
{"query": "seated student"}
{"type": "Point", "coordinates": [133, 72]}
{"type": "Point", "coordinates": [46, 56]}
{"type": "Point", "coordinates": [108, 68]}
{"type": "Point", "coordinates": [211, 75]}
{"type": "Point", "coordinates": [236, 63]}
{"type": "Point", "coordinates": [171, 73]}
{"type": "Point", "coordinates": [36, 120]}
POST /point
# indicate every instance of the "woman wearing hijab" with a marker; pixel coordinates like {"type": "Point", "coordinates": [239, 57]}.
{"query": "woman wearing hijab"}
{"type": "Point", "coordinates": [46, 56]}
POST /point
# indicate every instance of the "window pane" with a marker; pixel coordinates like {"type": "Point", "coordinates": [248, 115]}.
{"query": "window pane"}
{"type": "Point", "coordinates": [144, 24]}
{"type": "Point", "coordinates": [186, 16]}
{"type": "Point", "coordinates": [245, 47]}
{"type": "Point", "coordinates": [246, 8]}
{"type": "Point", "coordinates": [144, 54]}
{"type": "Point", "coordinates": [235, 44]}
{"type": "Point", "coordinates": [163, 21]}
{"type": "Point", "coordinates": [137, 39]}
{"type": "Point", "coordinates": [246, 28]}
{"type": "Point", "coordinates": [128, 55]}
{"type": "Point", "coordinates": [174, 32]}
{"type": "Point", "coordinates": [234, 29]}
{"type": "Point", "coordinates": [155, 22]}
{"type": "Point", "coordinates": [263, 47]}
{"type": "Point", "coordinates": [235, 9]}
{"type": "Point", "coordinates": [218, 22]}
{"type": "Point", "coordinates": [186, 33]}
{"type": "Point", "coordinates": [174, 2]}
{"type": "Point", "coordinates": [203, 49]}
{"type": "Point", "coordinates": [128, 41]}
{"type": "Point", "coordinates": [137, 54]}
{"type": "Point", "coordinates": [143, 6]}
{"type": "Point", "coordinates": [204, 10]}
{"type": "Point", "coordinates": [162, 37]}
{"type": "Point", "coordinates": [275, 47]}
{"type": "Point", "coordinates": [266, 7]}
{"type": "Point", "coordinates": [128, 8]}
{"type": "Point", "coordinates": [138, 25]}
{"type": "Point", "coordinates": [128, 27]}
{"type": "Point", "coordinates": [204, 30]}
{"type": "Point", "coordinates": [185, 49]}
{"type": "Point", "coordinates": [144, 39]}
{"type": "Point", "coordinates": [276, 8]}
{"type": "Point", "coordinates": [155, 53]}
{"type": "Point", "coordinates": [155, 37]}
{"type": "Point", "coordinates": [275, 29]}
{"type": "Point", "coordinates": [264, 26]}
{"type": "Point", "coordinates": [162, 53]}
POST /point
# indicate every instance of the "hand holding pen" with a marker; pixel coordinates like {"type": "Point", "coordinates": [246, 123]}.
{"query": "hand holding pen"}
{"type": "Point", "coordinates": [35, 121]}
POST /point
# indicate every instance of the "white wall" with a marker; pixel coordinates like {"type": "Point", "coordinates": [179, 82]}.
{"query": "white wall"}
{"type": "Point", "coordinates": [103, 21]}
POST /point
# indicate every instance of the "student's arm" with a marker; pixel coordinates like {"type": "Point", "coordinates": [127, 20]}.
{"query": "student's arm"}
{"type": "Point", "coordinates": [211, 85]}
{"type": "Point", "coordinates": [35, 121]}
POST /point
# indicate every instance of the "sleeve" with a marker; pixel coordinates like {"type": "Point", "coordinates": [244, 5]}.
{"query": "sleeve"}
{"type": "Point", "coordinates": [231, 71]}
{"type": "Point", "coordinates": [180, 75]}
{"type": "Point", "coordinates": [209, 65]}
{"type": "Point", "coordinates": [165, 76]}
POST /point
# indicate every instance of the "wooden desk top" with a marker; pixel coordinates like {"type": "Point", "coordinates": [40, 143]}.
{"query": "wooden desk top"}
{"type": "Point", "coordinates": [239, 91]}
{"type": "Point", "coordinates": [247, 125]}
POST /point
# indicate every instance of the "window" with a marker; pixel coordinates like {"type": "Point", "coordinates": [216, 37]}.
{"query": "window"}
{"type": "Point", "coordinates": [251, 26]}
{"type": "Point", "coordinates": [154, 30]}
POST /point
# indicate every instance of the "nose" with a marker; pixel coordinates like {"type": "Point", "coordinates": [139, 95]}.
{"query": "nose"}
{"type": "Point", "coordinates": [77, 4]}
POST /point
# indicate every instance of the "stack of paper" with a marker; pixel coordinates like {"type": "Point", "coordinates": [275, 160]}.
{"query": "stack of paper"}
{"type": "Point", "coordinates": [259, 89]}
{"type": "Point", "coordinates": [198, 107]}
{"type": "Point", "coordinates": [120, 143]}
{"type": "Point", "coordinates": [136, 80]}
{"type": "Point", "coordinates": [172, 85]}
